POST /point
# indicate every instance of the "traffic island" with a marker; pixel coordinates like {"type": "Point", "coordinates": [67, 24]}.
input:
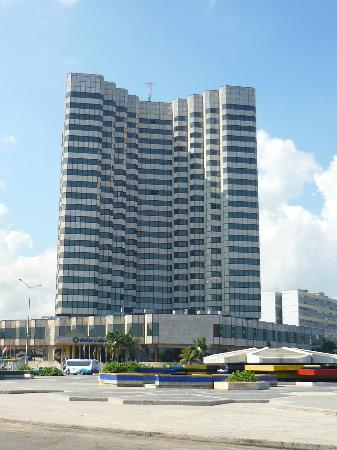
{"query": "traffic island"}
{"type": "Point", "coordinates": [184, 382]}
{"type": "Point", "coordinates": [15, 374]}
{"type": "Point", "coordinates": [122, 379]}
{"type": "Point", "coordinates": [241, 385]}
{"type": "Point", "coordinates": [177, 402]}
{"type": "Point", "coordinates": [88, 399]}
{"type": "Point", "coordinates": [30, 391]}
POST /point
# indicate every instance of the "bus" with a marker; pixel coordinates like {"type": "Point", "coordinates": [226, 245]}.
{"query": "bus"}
{"type": "Point", "coordinates": [82, 366]}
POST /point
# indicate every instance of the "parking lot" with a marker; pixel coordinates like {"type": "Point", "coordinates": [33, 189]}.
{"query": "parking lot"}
{"type": "Point", "coordinates": [88, 386]}
{"type": "Point", "coordinates": [288, 414]}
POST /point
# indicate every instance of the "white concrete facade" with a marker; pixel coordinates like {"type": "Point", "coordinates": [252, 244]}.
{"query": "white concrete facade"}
{"type": "Point", "coordinates": [271, 307]}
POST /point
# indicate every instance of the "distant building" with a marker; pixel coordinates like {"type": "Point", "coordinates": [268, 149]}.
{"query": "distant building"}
{"type": "Point", "coordinates": [271, 307]}
{"type": "Point", "coordinates": [301, 307]}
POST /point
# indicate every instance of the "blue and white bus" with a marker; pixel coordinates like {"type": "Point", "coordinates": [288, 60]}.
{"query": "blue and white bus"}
{"type": "Point", "coordinates": [82, 366]}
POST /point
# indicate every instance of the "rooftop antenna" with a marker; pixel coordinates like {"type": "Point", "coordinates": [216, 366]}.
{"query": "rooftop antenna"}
{"type": "Point", "coordinates": [149, 90]}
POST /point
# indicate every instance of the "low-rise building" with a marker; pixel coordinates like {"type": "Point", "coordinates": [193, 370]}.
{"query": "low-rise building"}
{"type": "Point", "coordinates": [162, 336]}
{"type": "Point", "coordinates": [271, 307]}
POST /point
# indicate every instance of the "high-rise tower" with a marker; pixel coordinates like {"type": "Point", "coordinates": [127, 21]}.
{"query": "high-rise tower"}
{"type": "Point", "coordinates": [159, 203]}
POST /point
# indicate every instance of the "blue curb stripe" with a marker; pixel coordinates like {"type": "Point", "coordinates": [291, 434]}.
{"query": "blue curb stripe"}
{"type": "Point", "coordinates": [184, 379]}
{"type": "Point", "coordinates": [121, 377]}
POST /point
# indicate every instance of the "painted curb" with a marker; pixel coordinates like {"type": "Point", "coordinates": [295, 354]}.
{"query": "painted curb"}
{"type": "Point", "coordinates": [30, 391]}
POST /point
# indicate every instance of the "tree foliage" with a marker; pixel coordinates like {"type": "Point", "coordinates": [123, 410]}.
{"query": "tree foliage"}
{"type": "Point", "coordinates": [48, 372]}
{"type": "Point", "coordinates": [118, 344]}
{"type": "Point", "coordinates": [120, 367]}
{"type": "Point", "coordinates": [328, 346]}
{"type": "Point", "coordinates": [194, 352]}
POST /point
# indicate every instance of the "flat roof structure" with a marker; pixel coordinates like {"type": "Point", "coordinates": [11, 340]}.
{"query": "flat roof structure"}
{"type": "Point", "coordinates": [267, 355]}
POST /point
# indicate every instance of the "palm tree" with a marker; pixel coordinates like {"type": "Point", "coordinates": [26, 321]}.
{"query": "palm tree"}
{"type": "Point", "coordinates": [114, 344]}
{"type": "Point", "coordinates": [194, 352]}
{"type": "Point", "coordinates": [200, 345]}
{"type": "Point", "coordinates": [328, 346]}
{"type": "Point", "coordinates": [188, 355]}
{"type": "Point", "coordinates": [130, 345]}
{"type": "Point", "coordinates": [118, 344]}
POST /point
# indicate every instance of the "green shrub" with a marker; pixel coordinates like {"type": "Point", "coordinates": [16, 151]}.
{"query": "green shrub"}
{"type": "Point", "coordinates": [172, 364]}
{"type": "Point", "coordinates": [242, 375]}
{"type": "Point", "coordinates": [11, 373]}
{"type": "Point", "coordinates": [25, 367]}
{"type": "Point", "coordinates": [119, 367]}
{"type": "Point", "coordinates": [48, 372]}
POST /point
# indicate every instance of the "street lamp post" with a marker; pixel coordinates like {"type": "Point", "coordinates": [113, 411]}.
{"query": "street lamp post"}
{"type": "Point", "coordinates": [28, 316]}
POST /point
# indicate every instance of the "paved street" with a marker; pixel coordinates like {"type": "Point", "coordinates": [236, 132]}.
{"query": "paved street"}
{"type": "Point", "coordinates": [285, 419]}
{"type": "Point", "coordinates": [30, 437]}
{"type": "Point", "coordinates": [88, 386]}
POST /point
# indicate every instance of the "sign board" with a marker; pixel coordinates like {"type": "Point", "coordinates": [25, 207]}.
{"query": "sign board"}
{"type": "Point", "coordinates": [88, 340]}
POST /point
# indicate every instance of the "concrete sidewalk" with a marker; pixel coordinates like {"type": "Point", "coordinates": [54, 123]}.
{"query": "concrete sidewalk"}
{"type": "Point", "coordinates": [261, 424]}
{"type": "Point", "coordinates": [323, 402]}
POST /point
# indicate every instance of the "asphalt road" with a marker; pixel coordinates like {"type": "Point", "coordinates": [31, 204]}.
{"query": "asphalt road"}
{"type": "Point", "coordinates": [36, 437]}
{"type": "Point", "coordinates": [89, 386]}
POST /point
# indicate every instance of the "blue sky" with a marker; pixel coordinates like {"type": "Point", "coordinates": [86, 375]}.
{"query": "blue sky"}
{"type": "Point", "coordinates": [286, 49]}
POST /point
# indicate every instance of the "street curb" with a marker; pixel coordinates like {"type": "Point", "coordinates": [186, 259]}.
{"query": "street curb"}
{"type": "Point", "coordinates": [177, 402]}
{"type": "Point", "coordinates": [223, 401]}
{"type": "Point", "coordinates": [239, 400]}
{"type": "Point", "coordinates": [162, 435]}
{"type": "Point", "coordinates": [30, 391]}
{"type": "Point", "coordinates": [16, 377]}
{"type": "Point", "coordinates": [327, 412]}
{"type": "Point", "coordinates": [88, 399]}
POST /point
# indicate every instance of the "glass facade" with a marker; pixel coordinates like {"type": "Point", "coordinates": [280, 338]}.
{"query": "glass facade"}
{"type": "Point", "coordinates": [158, 204]}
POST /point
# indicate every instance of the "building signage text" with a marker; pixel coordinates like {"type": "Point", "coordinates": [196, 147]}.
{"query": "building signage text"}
{"type": "Point", "coordinates": [88, 340]}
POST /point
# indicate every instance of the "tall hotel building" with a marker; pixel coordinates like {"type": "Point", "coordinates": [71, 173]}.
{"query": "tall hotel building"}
{"type": "Point", "coordinates": [159, 203]}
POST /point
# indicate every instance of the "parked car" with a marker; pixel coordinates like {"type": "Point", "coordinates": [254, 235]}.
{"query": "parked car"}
{"type": "Point", "coordinates": [81, 366]}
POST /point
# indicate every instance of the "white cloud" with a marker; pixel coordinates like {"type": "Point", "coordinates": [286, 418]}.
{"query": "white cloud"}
{"type": "Point", "coordinates": [209, 6]}
{"type": "Point", "coordinates": [68, 2]}
{"type": "Point", "coordinates": [327, 185]}
{"type": "Point", "coordinates": [3, 210]}
{"type": "Point", "coordinates": [8, 140]}
{"type": "Point", "coordinates": [38, 269]}
{"type": "Point", "coordinates": [298, 248]}
{"type": "Point", "coordinates": [283, 169]}
{"type": "Point", "coordinates": [69, 61]}
{"type": "Point", "coordinates": [5, 3]}
{"type": "Point", "coordinates": [5, 143]}
{"type": "Point", "coordinates": [3, 185]}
